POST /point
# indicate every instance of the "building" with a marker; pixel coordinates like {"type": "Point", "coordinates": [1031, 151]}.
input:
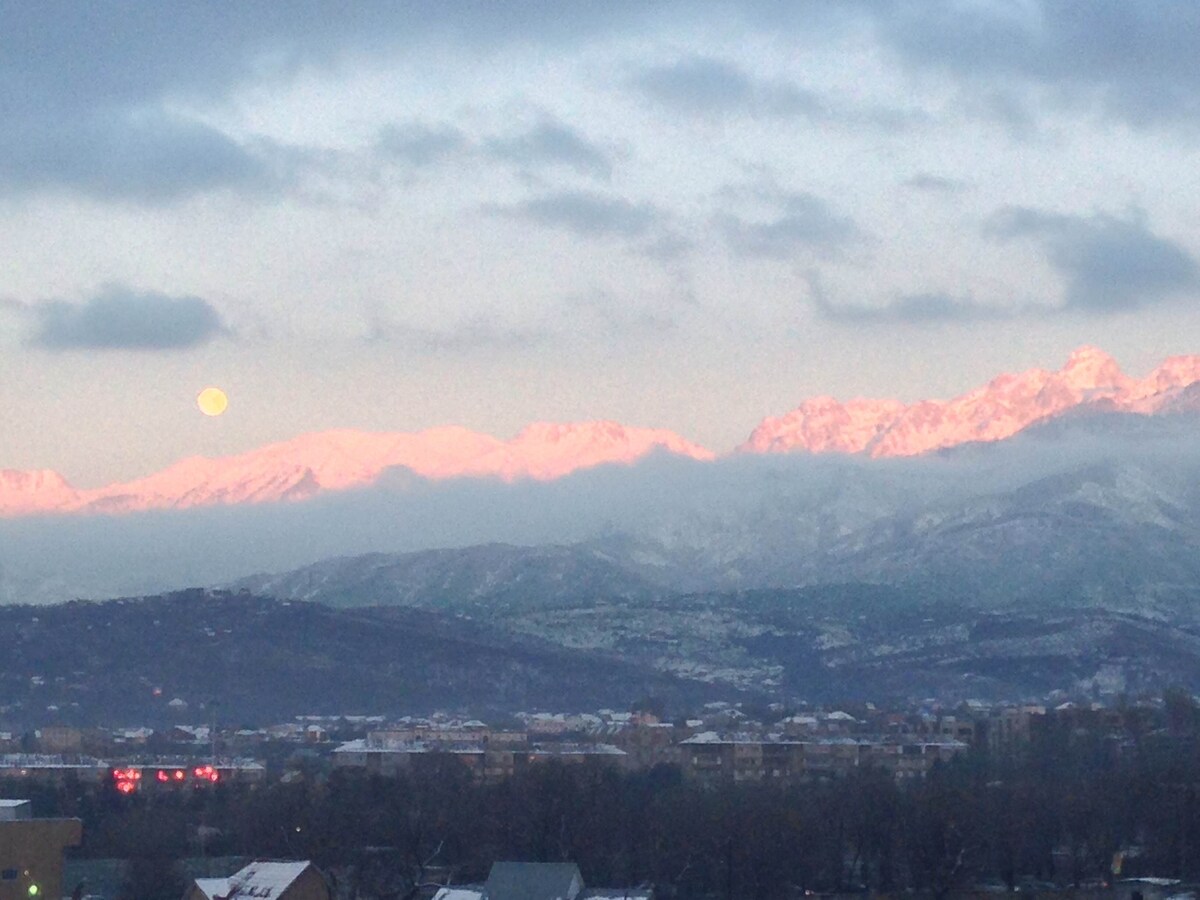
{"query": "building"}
{"type": "Point", "coordinates": [174, 773]}
{"type": "Point", "coordinates": [53, 769]}
{"type": "Point", "coordinates": [1008, 730]}
{"type": "Point", "coordinates": [264, 880]}
{"type": "Point", "coordinates": [31, 852]}
{"type": "Point", "coordinates": [537, 881]}
{"type": "Point", "coordinates": [715, 758]}
{"type": "Point", "coordinates": [391, 757]}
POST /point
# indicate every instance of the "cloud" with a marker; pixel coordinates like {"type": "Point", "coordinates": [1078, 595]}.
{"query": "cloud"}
{"type": "Point", "coordinates": [551, 143]}
{"type": "Point", "coordinates": [419, 145]}
{"type": "Point", "coordinates": [799, 222]}
{"type": "Point", "coordinates": [1107, 264]}
{"type": "Point", "coordinates": [707, 87]}
{"type": "Point", "coordinates": [586, 214]}
{"type": "Point", "coordinates": [935, 184]}
{"type": "Point", "coordinates": [146, 156]}
{"type": "Point", "coordinates": [704, 86]}
{"type": "Point", "coordinates": [1133, 61]}
{"type": "Point", "coordinates": [913, 309]}
{"type": "Point", "coordinates": [122, 319]}
{"type": "Point", "coordinates": [85, 93]}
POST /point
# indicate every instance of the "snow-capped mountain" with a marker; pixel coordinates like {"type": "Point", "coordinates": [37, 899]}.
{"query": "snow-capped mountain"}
{"type": "Point", "coordinates": [1004, 406]}
{"type": "Point", "coordinates": [337, 460]}
{"type": "Point", "coordinates": [30, 492]}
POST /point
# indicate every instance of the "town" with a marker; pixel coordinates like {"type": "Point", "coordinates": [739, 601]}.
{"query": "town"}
{"type": "Point", "coordinates": [720, 742]}
{"type": "Point", "coordinates": [721, 801]}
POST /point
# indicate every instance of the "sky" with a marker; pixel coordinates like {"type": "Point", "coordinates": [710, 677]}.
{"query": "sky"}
{"type": "Point", "coordinates": [678, 215]}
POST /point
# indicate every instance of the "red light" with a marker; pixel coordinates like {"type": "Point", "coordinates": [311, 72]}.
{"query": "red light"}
{"type": "Point", "coordinates": [126, 787]}
{"type": "Point", "coordinates": [116, 773]}
{"type": "Point", "coordinates": [214, 777]}
{"type": "Point", "coordinates": [179, 775]}
{"type": "Point", "coordinates": [198, 771]}
{"type": "Point", "coordinates": [162, 776]}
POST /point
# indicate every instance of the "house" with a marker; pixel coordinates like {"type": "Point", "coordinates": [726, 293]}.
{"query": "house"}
{"type": "Point", "coordinates": [537, 881]}
{"type": "Point", "coordinates": [264, 880]}
{"type": "Point", "coordinates": [31, 852]}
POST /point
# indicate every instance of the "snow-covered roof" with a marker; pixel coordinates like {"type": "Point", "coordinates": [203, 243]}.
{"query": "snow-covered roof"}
{"type": "Point", "coordinates": [213, 887]}
{"type": "Point", "coordinates": [704, 737]}
{"type": "Point", "coordinates": [582, 749]}
{"type": "Point", "coordinates": [263, 880]}
{"type": "Point", "coordinates": [458, 893]}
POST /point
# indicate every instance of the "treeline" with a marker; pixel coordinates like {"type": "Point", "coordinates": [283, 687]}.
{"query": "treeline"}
{"type": "Point", "coordinates": [1061, 811]}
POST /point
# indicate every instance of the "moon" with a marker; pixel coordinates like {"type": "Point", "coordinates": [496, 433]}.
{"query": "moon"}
{"type": "Point", "coordinates": [212, 401]}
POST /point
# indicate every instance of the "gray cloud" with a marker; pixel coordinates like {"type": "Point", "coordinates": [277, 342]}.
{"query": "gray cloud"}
{"type": "Point", "coordinates": [418, 144]}
{"type": "Point", "coordinates": [914, 309]}
{"type": "Point", "coordinates": [122, 319]}
{"type": "Point", "coordinates": [800, 222]}
{"type": "Point", "coordinates": [147, 156]}
{"type": "Point", "coordinates": [84, 91]}
{"type": "Point", "coordinates": [549, 143]}
{"type": "Point", "coordinates": [705, 86]}
{"type": "Point", "coordinates": [1108, 264]}
{"type": "Point", "coordinates": [1134, 61]}
{"type": "Point", "coordinates": [586, 214]}
{"type": "Point", "coordinates": [935, 184]}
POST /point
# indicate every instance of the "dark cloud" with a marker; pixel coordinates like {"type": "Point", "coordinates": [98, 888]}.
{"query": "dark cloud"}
{"type": "Point", "coordinates": [799, 222]}
{"type": "Point", "coordinates": [586, 214]}
{"type": "Point", "coordinates": [116, 53]}
{"type": "Point", "coordinates": [1107, 264]}
{"type": "Point", "coordinates": [418, 144]}
{"type": "Point", "coordinates": [550, 143]}
{"type": "Point", "coordinates": [1135, 61]}
{"type": "Point", "coordinates": [123, 319]}
{"type": "Point", "coordinates": [705, 86]}
{"type": "Point", "coordinates": [84, 89]}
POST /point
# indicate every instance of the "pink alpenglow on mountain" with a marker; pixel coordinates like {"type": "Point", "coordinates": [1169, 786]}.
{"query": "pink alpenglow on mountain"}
{"type": "Point", "coordinates": [30, 492]}
{"type": "Point", "coordinates": [337, 460]}
{"type": "Point", "coordinates": [1004, 406]}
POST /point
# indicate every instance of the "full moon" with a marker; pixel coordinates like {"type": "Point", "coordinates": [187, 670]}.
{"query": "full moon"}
{"type": "Point", "coordinates": [212, 401]}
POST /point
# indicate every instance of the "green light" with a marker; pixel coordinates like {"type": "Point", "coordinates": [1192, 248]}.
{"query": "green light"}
{"type": "Point", "coordinates": [34, 890]}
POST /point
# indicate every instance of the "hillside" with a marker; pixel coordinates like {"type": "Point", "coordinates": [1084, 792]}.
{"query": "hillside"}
{"type": "Point", "coordinates": [261, 660]}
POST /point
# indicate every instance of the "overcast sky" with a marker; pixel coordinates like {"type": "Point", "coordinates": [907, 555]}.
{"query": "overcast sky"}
{"type": "Point", "coordinates": [682, 215]}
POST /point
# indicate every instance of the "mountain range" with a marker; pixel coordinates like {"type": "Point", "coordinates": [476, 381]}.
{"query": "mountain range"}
{"type": "Point", "coordinates": [312, 464]}
{"type": "Point", "coordinates": [263, 660]}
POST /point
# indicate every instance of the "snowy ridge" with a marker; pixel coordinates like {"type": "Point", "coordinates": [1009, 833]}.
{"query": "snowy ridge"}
{"type": "Point", "coordinates": [1004, 406]}
{"type": "Point", "coordinates": [337, 460]}
{"type": "Point", "coordinates": [1091, 381]}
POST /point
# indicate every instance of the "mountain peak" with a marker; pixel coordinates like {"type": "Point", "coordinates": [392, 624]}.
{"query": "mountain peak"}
{"type": "Point", "coordinates": [1090, 367]}
{"type": "Point", "coordinates": [1004, 406]}
{"type": "Point", "coordinates": [336, 460]}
